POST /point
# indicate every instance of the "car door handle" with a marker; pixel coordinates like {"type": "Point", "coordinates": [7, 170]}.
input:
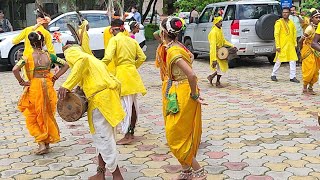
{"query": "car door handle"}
{"type": "Point", "coordinates": [204, 30]}
{"type": "Point", "coordinates": [245, 30]}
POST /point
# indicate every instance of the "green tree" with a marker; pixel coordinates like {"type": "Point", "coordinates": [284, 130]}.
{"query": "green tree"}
{"type": "Point", "coordinates": [308, 4]}
{"type": "Point", "coordinates": [186, 5]}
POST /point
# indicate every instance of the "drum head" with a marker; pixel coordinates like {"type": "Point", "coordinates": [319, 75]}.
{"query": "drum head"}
{"type": "Point", "coordinates": [71, 107]}
{"type": "Point", "coordinates": [223, 53]}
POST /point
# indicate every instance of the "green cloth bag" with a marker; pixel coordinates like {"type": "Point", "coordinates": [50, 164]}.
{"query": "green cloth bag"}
{"type": "Point", "coordinates": [172, 106]}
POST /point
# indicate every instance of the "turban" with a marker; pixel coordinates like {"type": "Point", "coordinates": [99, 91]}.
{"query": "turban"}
{"type": "Point", "coordinates": [217, 19]}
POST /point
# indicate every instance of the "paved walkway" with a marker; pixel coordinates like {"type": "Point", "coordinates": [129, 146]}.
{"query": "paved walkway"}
{"type": "Point", "coordinates": [252, 129]}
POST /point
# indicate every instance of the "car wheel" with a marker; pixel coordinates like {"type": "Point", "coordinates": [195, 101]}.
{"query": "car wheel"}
{"type": "Point", "coordinates": [271, 58]}
{"type": "Point", "coordinates": [189, 46]}
{"type": "Point", "coordinates": [13, 57]}
{"type": "Point", "coordinates": [233, 62]}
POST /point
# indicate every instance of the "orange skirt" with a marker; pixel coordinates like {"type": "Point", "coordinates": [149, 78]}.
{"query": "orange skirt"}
{"type": "Point", "coordinates": [38, 104]}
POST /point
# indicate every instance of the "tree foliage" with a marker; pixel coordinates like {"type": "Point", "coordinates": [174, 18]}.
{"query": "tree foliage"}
{"type": "Point", "coordinates": [186, 5]}
{"type": "Point", "coordinates": [308, 4]}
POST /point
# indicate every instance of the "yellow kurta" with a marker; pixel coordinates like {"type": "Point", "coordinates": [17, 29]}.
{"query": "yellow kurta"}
{"type": "Point", "coordinates": [27, 46]}
{"type": "Point", "coordinates": [107, 35]}
{"type": "Point", "coordinates": [217, 40]}
{"type": "Point", "coordinates": [310, 58]}
{"type": "Point", "coordinates": [127, 56]}
{"type": "Point", "coordinates": [183, 129]}
{"type": "Point", "coordinates": [100, 87]}
{"type": "Point", "coordinates": [286, 39]}
{"type": "Point", "coordinates": [38, 101]}
{"type": "Point", "coordinates": [85, 37]}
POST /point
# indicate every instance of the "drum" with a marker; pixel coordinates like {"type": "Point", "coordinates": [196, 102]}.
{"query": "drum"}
{"type": "Point", "coordinates": [73, 106]}
{"type": "Point", "coordinates": [223, 53]}
{"type": "Point", "coordinates": [229, 53]}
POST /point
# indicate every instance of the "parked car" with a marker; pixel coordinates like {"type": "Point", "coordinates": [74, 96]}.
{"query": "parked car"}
{"type": "Point", "coordinates": [249, 25]}
{"type": "Point", "coordinates": [98, 21]}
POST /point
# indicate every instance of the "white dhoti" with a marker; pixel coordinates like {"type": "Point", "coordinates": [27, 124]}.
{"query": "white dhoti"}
{"type": "Point", "coordinates": [127, 103]}
{"type": "Point", "coordinates": [104, 140]}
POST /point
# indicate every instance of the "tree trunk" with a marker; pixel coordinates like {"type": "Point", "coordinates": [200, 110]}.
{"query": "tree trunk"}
{"type": "Point", "coordinates": [147, 11]}
{"type": "Point", "coordinates": [154, 11]}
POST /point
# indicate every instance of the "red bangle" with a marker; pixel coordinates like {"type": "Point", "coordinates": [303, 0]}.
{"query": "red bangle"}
{"type": "Point", "coordinates": [55, 77]}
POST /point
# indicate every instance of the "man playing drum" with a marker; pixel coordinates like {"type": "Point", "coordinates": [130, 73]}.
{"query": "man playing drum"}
{"type": "Point", "coordinates": [127, 56]}
{"type": "Point", "coordinates": [217, 40]}
{"type": "Point", "coordinates": [104, 106]}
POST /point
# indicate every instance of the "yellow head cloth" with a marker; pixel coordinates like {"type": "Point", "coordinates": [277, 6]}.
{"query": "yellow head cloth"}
{"type": "Point", "coordinates": [217, 20]}
{"type": "Point", "coordinates": [312, 9]}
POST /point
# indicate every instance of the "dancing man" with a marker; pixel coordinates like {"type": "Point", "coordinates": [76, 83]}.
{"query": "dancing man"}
{"type": "Point", "coordinates": [104, 106]}
{"type": "Point", "coordinates": [127, 57]}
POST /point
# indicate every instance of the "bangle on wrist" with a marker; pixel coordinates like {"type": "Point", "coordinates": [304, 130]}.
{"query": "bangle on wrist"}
{"type": "Point", "coordinates": [194, 96]}
{"type": "Point", "coordinates": [21, 82]}
{"type": "Point", "coordinates": [55, 77]}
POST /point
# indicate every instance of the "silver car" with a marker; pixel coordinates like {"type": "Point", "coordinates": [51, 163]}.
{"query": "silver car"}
{"type": "Point", "coordinates": [249, 25]}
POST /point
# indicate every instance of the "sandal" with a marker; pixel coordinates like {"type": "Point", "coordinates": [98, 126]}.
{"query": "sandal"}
{"type": "Point", "coordinates": [184, 174]}
{"type": "Point", "coordinates": [199, 174]}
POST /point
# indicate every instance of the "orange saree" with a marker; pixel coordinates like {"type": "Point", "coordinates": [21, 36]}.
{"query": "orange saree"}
{"type": "Point", "coordinates": [38, 103]}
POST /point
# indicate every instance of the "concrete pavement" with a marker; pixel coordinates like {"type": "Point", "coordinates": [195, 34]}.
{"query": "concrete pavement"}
{"type": "Point", "coordinates": [252, 129]}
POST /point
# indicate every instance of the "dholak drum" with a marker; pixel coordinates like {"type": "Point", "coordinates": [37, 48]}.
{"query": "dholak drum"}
{"type": "Point", "coordinates": [224, 53]}
{"type": "Point", "coordinates": [72, 107]}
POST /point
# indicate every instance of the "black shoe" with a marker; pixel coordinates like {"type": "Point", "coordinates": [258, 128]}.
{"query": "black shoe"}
{"type": "Point", "coordinates": [274, 78]}
{"type": "Point", "coordinates": [294, 80]}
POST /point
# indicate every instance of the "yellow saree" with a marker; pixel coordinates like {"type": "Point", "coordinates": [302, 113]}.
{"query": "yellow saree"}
{"type": "Point", "coordinates": [183, 129]}
{"type": "Point", "coordinates": [310, 58]}
{"type": "Point", "coordinates": [38, 102]}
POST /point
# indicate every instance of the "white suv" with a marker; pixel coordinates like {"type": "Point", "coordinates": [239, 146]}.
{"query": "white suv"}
{"type": "Point", "coordinates": [98, 21]}
{"type": "Point", "coordinates": [249, 25]}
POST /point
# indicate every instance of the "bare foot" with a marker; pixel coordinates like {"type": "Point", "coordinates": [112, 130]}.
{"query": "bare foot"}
{"type": "Point", "coordinates": [125, 141]}
{"type": "Point", "coordinates": [210, 78]}
{"type": "Point", "coordinates": [218, 85]}
{"type": "Point", "coordinates": [304, 91]}
{"type": "Point", "coordinates": [98, 176]}
{"type": "Point", "coordinates": [47, 145]}
{"type": "Point", "coordinates": [42, 149]}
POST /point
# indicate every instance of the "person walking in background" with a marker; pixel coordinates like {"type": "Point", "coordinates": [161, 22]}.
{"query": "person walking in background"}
{"type": "Point", "coordinates": [217, 40]}
{"type": "Point", "coordinates": [298, 22]}
{"type": "Point", "coordinates": [136, 14]}
{"type": "Point", "coordinates": [194, 15]}
{"type": "Point", "coordinates": [285, 39]}
{"type": "Point", "coordinates": [5, 25]}
{"type": "Point", "coordinates": [134, 29]}
{"type": "Point", "coordinates": [310, 58]}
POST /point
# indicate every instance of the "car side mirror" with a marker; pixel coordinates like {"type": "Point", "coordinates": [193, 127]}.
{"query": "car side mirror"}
{"type": "Point", "coordinates": [54, 29]}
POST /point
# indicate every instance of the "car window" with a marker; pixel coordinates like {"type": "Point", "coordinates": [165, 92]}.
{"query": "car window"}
{"type": "Point", "coordinates": [97, 20]}
{"type": "Point", "coordinates": [62, 22]}
{"type": "Point", "coordinates": [206, 16]}
{"type": "Point", "coordinates": [219, 11]}
{"type": "Point", "coordinates": [230, 13]}
{"type": "Point", "coordinates": [255, 11]}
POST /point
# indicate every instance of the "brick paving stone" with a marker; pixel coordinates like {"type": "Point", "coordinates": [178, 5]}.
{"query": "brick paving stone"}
{"type": "Point", "coordinates": [236, 174]}
{"type": "Point", "coordinates": [215, 162]}
{"type": "Point", "coordinates": [293, 156]}
{"type": "Point", "coordinates": [135, 168]}
{"type": "Point", "coordinates": [252, 155]}
{"type": "Point", "coordinates": [235, 166]}
{"type": "Point", "coordinates": [255, 170]}
{"type": "Point", "coordinates": [67, 177]}
{"type": "Point", "coordinates": [26, 177]}
{"type": "Point", "coordinates": [277, 166]}
{"type": "Point", "coordinates": [11, 173]}
{"type": "Point", "coordinates": [44, 162]}
{"type": "Point", "coordinates": [296, 163]}
{"type": "Point", "coordinates": [270, 146]}
{"type": "Point", "coordinates": [215, 169]}
{"type": "Point", "coordinates": [156, 164]}
{"type": "Point", "coordinates": [287, 143]}
{"type": "Point", "coordinates": [272, 152]}
{"type": "Point", "coordinates": [255, 162]}
{"type": "Point", "coordinates": [216, 155]}
{"type": "Point", "coordinates": [314, 167]}
{"type": "Point", "coordinates": [279, 175]}
{"type": "Point", "coordinates": [315, 174]}
{"type": "Point", "coordinates": [152, 172]}
{"type": "Point", "coordinates": [302, 177]}
{"type": "Point", "coordinates": [58, 166]}
{"type": "Point", "coordinates": [252, 148]}
{"type": "Point", "coordinates": [307, 146]}
{"type": "Point", "coordinates": [254, 177]}
{"type": "Point", "coordinates": [299, 171]}
{"type": "Point", "coordinates": [71, 171]}
{"type": "Point", "coordinates": [20, 165]}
